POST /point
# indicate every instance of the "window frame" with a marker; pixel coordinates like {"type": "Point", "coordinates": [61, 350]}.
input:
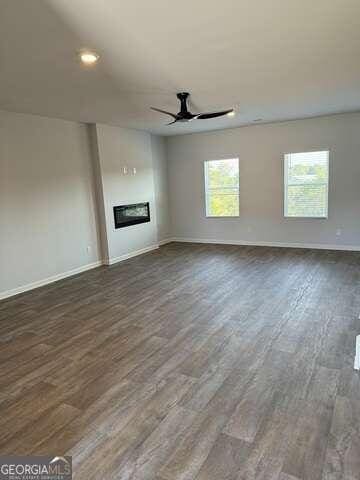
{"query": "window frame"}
{"type": "Point", "coordinates": [285, 185]}
{"type": "Point", "coordinates": [206, 189]}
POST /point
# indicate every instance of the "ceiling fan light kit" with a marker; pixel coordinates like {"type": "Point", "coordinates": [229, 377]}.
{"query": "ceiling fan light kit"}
{"type": "Point", "coordinates": [184, 115]}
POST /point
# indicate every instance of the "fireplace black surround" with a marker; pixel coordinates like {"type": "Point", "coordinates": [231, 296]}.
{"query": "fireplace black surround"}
{"type": "Point", "coordinates": [125, 215]}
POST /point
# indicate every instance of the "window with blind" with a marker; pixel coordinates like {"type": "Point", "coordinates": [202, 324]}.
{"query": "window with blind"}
{"type": "Point", "coordinates": [222, 187]}
{"type": "Point", "coordinates": [306, 178]}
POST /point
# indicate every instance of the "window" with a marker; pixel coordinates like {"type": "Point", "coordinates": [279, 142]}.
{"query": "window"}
{"type": "Point", "coordinates": [222, 187]}
{"type": "Point", "coordinates": [306, 177]}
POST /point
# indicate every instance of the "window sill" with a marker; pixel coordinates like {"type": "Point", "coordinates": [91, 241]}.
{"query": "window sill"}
{"type": "Point", "coordinates": [306, 218]}
{"type": "Point", "coordinates": [222, 216]}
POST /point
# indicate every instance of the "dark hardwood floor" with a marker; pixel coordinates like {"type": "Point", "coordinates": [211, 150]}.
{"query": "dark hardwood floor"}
{"type": "Point", "coordinates": [195, 362]}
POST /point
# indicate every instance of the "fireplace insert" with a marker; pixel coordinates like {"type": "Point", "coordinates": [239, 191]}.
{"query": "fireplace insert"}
{"type": "Point", "coordinates": [125, 215]}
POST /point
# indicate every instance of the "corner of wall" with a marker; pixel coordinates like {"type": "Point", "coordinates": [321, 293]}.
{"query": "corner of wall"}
{"type": "Point", "coordinates": [99, 192]}
{"type": "Point", "coordinates": [160, 168]}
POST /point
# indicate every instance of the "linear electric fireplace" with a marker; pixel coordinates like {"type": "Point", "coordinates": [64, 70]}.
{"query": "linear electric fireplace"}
{"type": "Point", "coordinates": [125, 215]}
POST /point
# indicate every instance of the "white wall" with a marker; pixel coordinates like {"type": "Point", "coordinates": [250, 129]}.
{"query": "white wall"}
{"type": "Point", "coordinates": [260, 149]}
{"type": "Point", "coordinates": [119, 147]}
{"type": "Point", "coordinates": [47, 206]}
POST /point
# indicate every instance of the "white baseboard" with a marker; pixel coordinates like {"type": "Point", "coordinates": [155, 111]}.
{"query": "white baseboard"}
{"type": "Point", "coordinates": [126, 256]}
{"type": "Point", "coordinates": [165, 241]}
{"type": "Point", "coordinates": [46, 281]}
{"type": "Point", "coordinates": [319, 246]}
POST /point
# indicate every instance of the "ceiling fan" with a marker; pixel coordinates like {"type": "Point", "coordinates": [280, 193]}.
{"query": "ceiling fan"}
{"type": "Point", "coordinates": [185, 116]}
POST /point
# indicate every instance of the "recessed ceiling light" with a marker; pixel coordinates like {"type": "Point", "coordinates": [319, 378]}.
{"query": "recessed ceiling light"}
{"type": "Point", "coordinates": [231, 114]}
{"type": "Point", "coordinates": [89, 58]}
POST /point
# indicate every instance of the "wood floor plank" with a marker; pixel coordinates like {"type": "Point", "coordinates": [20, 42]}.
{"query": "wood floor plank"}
{"type": "Point", "coordinates": [342, 454]}
{"type": "Point", "coordinates": [194, 448]}
{"type": "Point", "coordinates": [30, 437]}
{"type": "Point", "coordinates": [225, 459]}
{"type": "Point", "coordinates": [143, 462]}
{"type": "Point", "coordinates": [257, 401]}
{"type": "Point", "coordinates": [269, 449]}
{"type": "Point", "coordinates": [131, 428]}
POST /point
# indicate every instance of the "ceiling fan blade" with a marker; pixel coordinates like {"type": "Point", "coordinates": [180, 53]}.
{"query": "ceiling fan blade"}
{"type": "Point", "coordinates": [164, 111]}
{"type": "Point", "coordinates": [172, 122]}
{"type": "Point", "coordinates": [204, 116]}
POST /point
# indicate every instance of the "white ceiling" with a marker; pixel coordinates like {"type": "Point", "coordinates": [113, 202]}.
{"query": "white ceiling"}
{"type": "Point", "coordinates": [270, 59]}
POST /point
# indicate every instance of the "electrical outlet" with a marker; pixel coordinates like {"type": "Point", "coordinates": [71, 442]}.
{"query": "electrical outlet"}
{"type": "Point", "coordinates": [249, 229]}
{"type": "Point", "coordinates": [88, 248]}
{"type": "Point", "coordinates": [338, 232]}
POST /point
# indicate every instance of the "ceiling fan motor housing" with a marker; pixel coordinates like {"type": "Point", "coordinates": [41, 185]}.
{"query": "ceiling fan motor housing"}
{"type": "Point", "coordinates": [184, 114]}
